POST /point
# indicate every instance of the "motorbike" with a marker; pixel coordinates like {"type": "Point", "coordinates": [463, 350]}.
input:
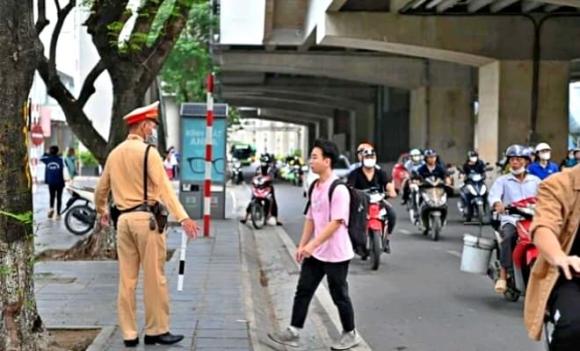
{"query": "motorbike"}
{"type": "Point", "coordinates": [414, 200]}
{"type": "Point", "coordinates": [261, 203]}
{"type": "Point", "coordinates": [432, 214]}
{"type": "Point", "coordinates": [377, 224]}
{"type": "Point", "coordinates": [474, 198]}
{"type": "Point", "coordinates": [295, 175]}
{"type": "Point", "coordinates": [525, 252]}
{"type": "Point", "coordinates": [80, 218]}
{"type": "Point", "coordinates": [237, 174]}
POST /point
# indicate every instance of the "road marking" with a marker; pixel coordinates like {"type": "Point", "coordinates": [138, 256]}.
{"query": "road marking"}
{"type": "Point", "coordinates": [454, 253]}
{"type": "Point", "coordinates": [404, 231]}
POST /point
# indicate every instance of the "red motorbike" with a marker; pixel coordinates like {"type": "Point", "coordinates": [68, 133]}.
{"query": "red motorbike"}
{"type": "Point", "coordinates": [525, 252]}
{"type": "Point", "coordinates": [377, 228]}
{"type": "Point", "coordinates": [261, 203]}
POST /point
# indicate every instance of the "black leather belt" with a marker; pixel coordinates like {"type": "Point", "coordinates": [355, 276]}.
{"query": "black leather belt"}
{"type": "Point", "coordinates": [140, 208]}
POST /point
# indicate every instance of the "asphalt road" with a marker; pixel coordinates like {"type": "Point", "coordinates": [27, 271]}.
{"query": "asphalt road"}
{"type": "Point", "coordinates": [418, 299]}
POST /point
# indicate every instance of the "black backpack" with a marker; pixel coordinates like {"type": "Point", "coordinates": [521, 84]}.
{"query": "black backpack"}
{"type": "Point", "coordinates": [357, 218]}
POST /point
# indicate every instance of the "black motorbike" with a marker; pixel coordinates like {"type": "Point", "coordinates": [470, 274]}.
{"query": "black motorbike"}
{"type": "Point", "coordinates": [237, 174]}
{"type": "Point", "coordinates": [80, 214]}
{"type": "Point", "coordinates": [433, 206]}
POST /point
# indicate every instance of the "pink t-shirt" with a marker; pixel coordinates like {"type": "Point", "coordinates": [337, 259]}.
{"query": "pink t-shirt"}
{"type": "Point", "coordinates": [338, 247]}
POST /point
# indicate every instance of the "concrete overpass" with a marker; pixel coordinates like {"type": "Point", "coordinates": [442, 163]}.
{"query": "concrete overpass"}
{"type": "Point", "coordinates": [428, 61]}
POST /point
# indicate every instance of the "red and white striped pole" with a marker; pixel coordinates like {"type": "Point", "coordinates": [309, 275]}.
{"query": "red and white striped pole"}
{"type": "Point", "coordinates": [208, 157]}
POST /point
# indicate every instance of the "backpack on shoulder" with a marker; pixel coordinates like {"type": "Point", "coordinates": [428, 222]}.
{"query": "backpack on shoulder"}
{"type": "Point", "coordinates": [357, 217]}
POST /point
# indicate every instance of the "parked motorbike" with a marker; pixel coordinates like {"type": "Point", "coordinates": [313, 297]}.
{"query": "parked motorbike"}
{"type": "Point", "coordinates": [474, 198]}
{"type": "Point", "coordinates": [80, 218]}
{"type": "Point", "coordinates": [377, 224]}
{"type": "Point", "coordinates": [525, 252]}
{"type": "Point", "coordinates": [433, 207]}
{"type": "Point", "coordinates": [261, 203]}
{"type": "Point", "coordinates": [237, 174]}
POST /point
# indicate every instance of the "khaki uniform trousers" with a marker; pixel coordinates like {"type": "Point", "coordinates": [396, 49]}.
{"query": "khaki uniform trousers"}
{"type": "Point", "coordinates": [137, 246]}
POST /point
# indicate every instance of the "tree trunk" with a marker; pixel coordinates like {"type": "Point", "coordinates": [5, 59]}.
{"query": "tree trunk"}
{"type": "Point", "coordinates": [21, 327]}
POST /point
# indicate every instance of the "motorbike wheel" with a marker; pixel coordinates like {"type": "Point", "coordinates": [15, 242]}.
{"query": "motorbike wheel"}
{"type": "Point", "coordinates": [435, 227]}
{"type": "Point", "coordinates": [511, 295]}
{"type": "Point", "coordinates": [80, 219]}
{"type": "Point", "coordinates": [375, 241]}
{"type": "Point", "coordinates": [480, 213]}
{"type": "Point", "coordinates": [258, 215]}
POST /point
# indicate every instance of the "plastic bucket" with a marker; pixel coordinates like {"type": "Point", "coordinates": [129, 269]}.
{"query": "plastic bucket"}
{"type": "Point", "coordinates": [476, 254]}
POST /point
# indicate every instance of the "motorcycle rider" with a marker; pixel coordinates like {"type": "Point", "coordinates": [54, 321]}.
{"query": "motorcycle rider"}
{"type": "Point", "coordinates": [432, 168]}
{"type": "Point", "coordinates": [554, 284]}
{"type": "Point", "coordinates": [368, 176]}
{"type": "Point", "coordinates": [412, 165]}
{"type": "Point", "coordinates": [507, 189]}
{"type": "Point", "coordinates": [472, 165]}
{"type": "Point", "coordinates": [361, 147]}
{"type": "Point", "coordinates": [265, 170]}
{"type": "Point", "coordinates": [543, 167]}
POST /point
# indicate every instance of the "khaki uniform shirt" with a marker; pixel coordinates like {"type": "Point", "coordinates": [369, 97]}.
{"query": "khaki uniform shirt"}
{"type": "Point", "coordinates": [123, 175]}
{"type": "Point", "coordinates": [558, 209]}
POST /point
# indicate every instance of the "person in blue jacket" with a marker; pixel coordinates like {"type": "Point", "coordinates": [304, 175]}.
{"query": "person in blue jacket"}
{"type": "Point", "coordinates": [54, 177]}
{"type": "Point", "coordinates": [543, 167]}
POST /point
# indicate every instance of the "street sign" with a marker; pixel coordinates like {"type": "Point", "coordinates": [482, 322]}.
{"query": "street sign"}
{"type": "Point", "coordinates": [37, 134]}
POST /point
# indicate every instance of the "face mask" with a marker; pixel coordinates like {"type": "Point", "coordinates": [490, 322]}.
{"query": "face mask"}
{"type": "Point", "coordinates": [571, 157]}
{"type": "Point", "coordinates": [545, 156]}
{"type": "Point", "coordinates": [518, 171]}
{"type": "Point", "coordinates": [369, 163]}
{"type": "Point", "coordinates": [152, 138]}
{"type": "Point", "coordinates": [473, 159]}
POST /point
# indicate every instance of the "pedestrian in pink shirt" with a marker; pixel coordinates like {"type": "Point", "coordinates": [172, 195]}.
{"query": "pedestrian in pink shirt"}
{"type": "Point", "coordinates": [324, 250]}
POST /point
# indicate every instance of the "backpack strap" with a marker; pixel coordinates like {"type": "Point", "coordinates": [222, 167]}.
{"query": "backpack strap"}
{"type": "Point", "coordinates": [333, 186]}
{"type": "Point", "coordinates": [310, 190]}
{"type": "Point", "coordinates": [145, 174]}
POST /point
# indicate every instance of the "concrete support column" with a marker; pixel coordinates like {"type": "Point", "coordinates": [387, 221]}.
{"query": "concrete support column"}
{"type": "Point", "coordinates": [505, 107]}
{"type": "Point", "coordinates": [442, 111]}
{"type": "Point", "coordinates": [365, 124]}
{"type": "Point", "coordinates": [392, 125]}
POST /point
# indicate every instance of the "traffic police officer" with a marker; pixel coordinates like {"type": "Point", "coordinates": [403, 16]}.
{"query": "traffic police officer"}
{"type": "Point", "coordinates": [137, 243]}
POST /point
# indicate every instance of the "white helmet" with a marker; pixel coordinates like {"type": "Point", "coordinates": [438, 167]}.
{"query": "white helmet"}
{"type": "Point", "coordinates": [543, 147]}
{"type": "Point", "coordinates": [415, 152]}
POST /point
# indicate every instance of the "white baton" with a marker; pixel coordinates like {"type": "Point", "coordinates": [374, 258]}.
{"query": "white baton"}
{"type": "Point", "coordinates": [182, 262]}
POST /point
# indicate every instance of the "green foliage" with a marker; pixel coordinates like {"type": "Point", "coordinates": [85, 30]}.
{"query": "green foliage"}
{"type": "Point", "coordinates": [87, 159]}
{"type": "Point", "coordinates": [188, 65]}
{"type": "Point", "coordinates": [24, 218]}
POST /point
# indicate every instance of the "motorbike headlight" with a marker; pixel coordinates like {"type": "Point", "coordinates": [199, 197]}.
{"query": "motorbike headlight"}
{"type": "Point", "coordinates": [483, 190]}
{"type": "Point", "coordinates": [471, 189]}
{"type": "Point", "coordinates": [237, 164]}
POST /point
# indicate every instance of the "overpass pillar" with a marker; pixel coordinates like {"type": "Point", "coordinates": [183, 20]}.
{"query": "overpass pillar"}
{"type": "Point", "coordinates": [441, 114]}
{"type": "Point", "coordinates": [505, 106]}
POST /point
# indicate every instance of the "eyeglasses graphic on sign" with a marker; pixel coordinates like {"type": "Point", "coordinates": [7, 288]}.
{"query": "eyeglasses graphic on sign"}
{"type": "Point", "coordinates": [197, 164]}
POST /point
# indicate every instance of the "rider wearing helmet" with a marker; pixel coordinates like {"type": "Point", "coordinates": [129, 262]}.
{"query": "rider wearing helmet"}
{"type": "Point", "coordinates": [472, 165]}
{"type": "Point", "coordinates": [411, 165]}
{"type": "Point", "coordinates": [507, 189]}
{"type": "Point", "coordinates": [431, 168]}
{"type": "Point", "coordinates": [543, 167]}
{"type": "Point", "coordinates": [265, 169]}
{"type": "Point", "coordinates": [359, 150]}
{"type": "Point", "coordinates": [367, 177]}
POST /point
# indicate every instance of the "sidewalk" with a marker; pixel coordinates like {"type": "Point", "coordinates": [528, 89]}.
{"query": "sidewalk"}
{"type": "Point", "coordinates": [209, 311]}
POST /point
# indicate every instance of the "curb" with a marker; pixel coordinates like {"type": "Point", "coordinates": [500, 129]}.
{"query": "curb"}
{"type": "Point", "coordinates": [100, 341]}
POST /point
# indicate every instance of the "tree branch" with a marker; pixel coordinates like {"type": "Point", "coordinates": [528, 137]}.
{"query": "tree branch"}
{"type": "Point", "coordinates": [57, 4]}
{"type": "Point", "coordinates": [76, 118]}
{"type": "Point", "coordinates": [104, 13]}
{"type": "Point", "coordinates": [42, 21]}
{"type": "Point", "coordinates": [62, 15]}
{"type": "Point", "coordinates": [145, 17]}
{"type": "Point", "coordinates": [172, 28]}
{"type": "Point", "coordinates": [88, 88]}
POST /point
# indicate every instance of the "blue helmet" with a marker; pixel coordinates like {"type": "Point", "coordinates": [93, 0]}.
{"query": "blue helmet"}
{"type": "Point", "coordinates": [517, 150]}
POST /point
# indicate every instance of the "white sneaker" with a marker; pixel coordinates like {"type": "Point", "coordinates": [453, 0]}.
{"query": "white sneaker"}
{"type": "Point", "coordinates": [347, 341]}
{"type": "Point", "coordinates": [287, 337]}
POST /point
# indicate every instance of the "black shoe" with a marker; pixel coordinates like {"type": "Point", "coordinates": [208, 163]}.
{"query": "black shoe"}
{"type": "Point", "coordinates": [279, 223]}
{"type": "Point", "coordinates": [387, 247]}
{"type": "Point", "coordinates": [163, 339]}
{"type": "Point", "coordinates": [243, 221]}
{"type": "Point", "coordinates": [131, 343]}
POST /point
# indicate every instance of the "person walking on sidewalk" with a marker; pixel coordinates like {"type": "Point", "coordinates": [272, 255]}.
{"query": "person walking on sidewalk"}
{"type": "Point", "coordinates": [325, 249]}
{"type": "Point", "coordinates": [71, 163]}
{"type": "Point", "coordinates": [141, 239]}
{"type": "Point", "coordinates": [55, 176]}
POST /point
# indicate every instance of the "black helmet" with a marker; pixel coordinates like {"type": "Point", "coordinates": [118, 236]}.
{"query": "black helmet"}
{"type": "Point", "coordinates": [429, 153]}
{"type": "Point", "coordinates": [265, 158]}
{"type": "Point", "coordinates": [517, 150]}
{"type": "Point", "coordinates": [368, 152]}
{"type": "Point", "coordinates": [472, 153]}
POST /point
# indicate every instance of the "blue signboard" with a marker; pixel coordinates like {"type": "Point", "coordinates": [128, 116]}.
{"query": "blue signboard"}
{"type": "Point", "coordinates": [193, 150]}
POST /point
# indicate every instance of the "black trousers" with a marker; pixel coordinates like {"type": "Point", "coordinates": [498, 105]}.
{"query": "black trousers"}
{"type": "Point", "coordinates": [510, 236]}
{"type": "Point", "coordinates": [391, 216]}
{"type": "Point", "coordinates": [311, 275]}
{"type": "Point", "coordinates": [55, 192]}
{"type": "Point", "coordinates": [565, 312]}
